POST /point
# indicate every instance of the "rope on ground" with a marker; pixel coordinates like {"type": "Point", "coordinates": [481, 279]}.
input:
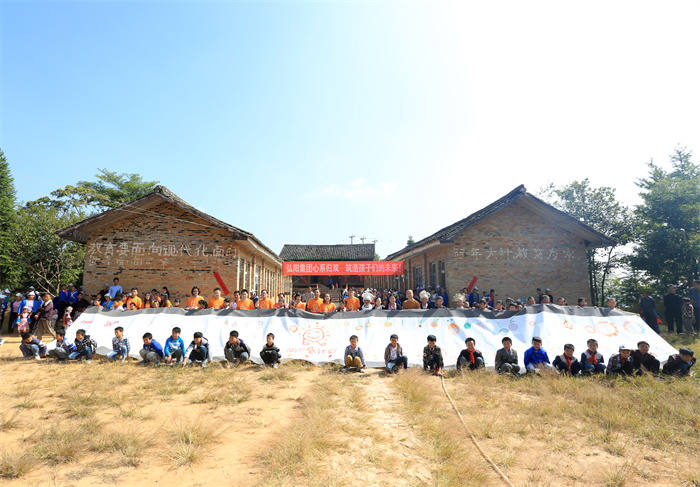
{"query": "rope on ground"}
{"type": "Point", "coordinates": [481, 450]}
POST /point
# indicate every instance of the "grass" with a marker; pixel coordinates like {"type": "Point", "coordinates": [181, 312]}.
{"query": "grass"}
{"type": "Point", "coordinates": [129, 445]}
{"type": "Point", "coordinates": [7, 421]}
{"type": "Point", "coordinates": [275, 375]}
{"type": "Point", "coordinates": [60, 444]}
{"type": "Point", "coordinates": [80, 405]}
{"type": "Point", "coordinates": [15, 465]}
{"type": "Point", "coordinates": [190, 442]}
{"type": "Point", "coordinates": [618, 476]}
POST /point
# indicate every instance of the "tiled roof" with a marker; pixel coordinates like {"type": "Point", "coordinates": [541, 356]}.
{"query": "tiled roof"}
{"type": "Point", "coordinates": [328, 252]}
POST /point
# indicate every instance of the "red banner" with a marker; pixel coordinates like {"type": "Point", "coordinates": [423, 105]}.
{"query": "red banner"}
{"type": "Point", "coordinates": [350, 268]}
{"type": "Point", "coordinates": [221, 283]}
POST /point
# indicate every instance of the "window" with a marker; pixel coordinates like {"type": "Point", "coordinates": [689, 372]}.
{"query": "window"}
{"type": "Point", "coordinates": [433, 274]}
{"type": "Point", "coordinates": [442, 276]}
{"type": "Point", "coordinates": [418, 277]}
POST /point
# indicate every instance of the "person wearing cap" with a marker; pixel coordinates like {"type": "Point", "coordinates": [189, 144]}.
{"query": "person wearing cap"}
{"type": "Point", "coordinates": [621, 363]}
{"type": "Point", "coordinates": [536, 357]}
{"type": "Point", "coordinates": [367, 301]}
{"type": "Point", "coordinates": [393, 355]}
{"type": "Point", "coordinates": [45, 316]}
{"type": "Point", "coordinates": [409, 302]}
{"type": "Point", "coordinates": [643, 361]}
{"type": "Point", "coordinates": [197, 351]}
{"type": "Point", "coordinates": [566, 363]}
{"type": "Point", "coordinates": [592, 360]}
{"type": "Point", "coordinates": [680, 363]}
{"type": "Point", "coordinates": [432, 356]}
{"type": "Point", "coordinates": [470, 358]}
{"type": "Point", "coordinates": [108, 301]}
{"type": "Point", "coordinates": [31, 301]}
{"type": "Point", "coordinates": [424, 300]}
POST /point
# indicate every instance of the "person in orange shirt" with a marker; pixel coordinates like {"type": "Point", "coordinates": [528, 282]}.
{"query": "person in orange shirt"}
{"type": "Point", "coordinates": [314, 305]}
{"type": "Point", "coordinates": [298, 303]}
{"type": "Point", "coordinates": [264, 302]}
{"type": "Point", "coordinates": [192, 301]}
{"type": "Point", "coordinates": [327, 307]}
{"type": "Point", "coordinates": [134, 298]}
{"type": "Point", "coordinates": [147, 301]}
{"type": "Point", "coordinates": [217, 302]}
{"type": "Point", "coordinates": [351, 302]}
{"type": "Point", "coordinates": [244, 303]}
{"type": "Point", "coordinates": [410, 303]}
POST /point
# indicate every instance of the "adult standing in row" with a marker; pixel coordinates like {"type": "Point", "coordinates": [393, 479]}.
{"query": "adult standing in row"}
{"type": "Point", "coordinates": [695, 298]}
{"type": "Point", "coordinates": [674, 309]}
{"type": "Point", "coordinates": [647, 310]}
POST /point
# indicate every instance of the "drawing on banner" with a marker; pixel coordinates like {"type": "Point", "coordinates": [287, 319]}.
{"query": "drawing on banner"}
{"type": "Point", "coordinates": [387, 324]}
{"type": "Point", "coordinates": [512, 326]}
{"type": "Point", "coordinates": [503, 331]}
{"type": "Point", "coordinates": [467, 325]}
{"type": "Point", "coordinates": [434, 323]}
{"type": "Point", "coordinates": [606, 328]}
{"type": "Point", "coordinates": [314, 335]}
{"type": "Point", "coordinates": [630, 327]}
{"type": "Point", "coordinates": [568, 324]}
{"type": "Point", "coordinates": [453, 328]}
{"type": "Point", "coordinates": [590, 329]}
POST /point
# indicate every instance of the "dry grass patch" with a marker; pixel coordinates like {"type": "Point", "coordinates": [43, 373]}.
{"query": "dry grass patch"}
{"type": "Point", "coordinates": [130, 446]}
{"type": "Point", "coordinates": [275, 375]}
{"type": "Point", "coordinates": [60, 444]}
{"type": "Point", "coordinates": [232, 393]}
{"type": "Point", "coordinates": [191, 441]}
{"type": "Point", "coordinates": [8, 421]}
{"type": "Point", "coordinates": [14, 465]}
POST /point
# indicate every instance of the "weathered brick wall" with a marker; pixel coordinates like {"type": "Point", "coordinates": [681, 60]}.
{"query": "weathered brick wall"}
{"type": "Point", "coordinates": [515, 251]}
{"type": "Point", "coordinates": [147, 251]}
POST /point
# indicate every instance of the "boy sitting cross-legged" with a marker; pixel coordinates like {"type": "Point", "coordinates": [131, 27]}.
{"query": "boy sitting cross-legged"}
{"type": "Point", "coordinates": [432, 356]}
{"type": "Point", "coordinates": [63, 346]}
{"type": "Point", "coordinates": [235, 350]}
{"type": "Point", "coordinates": [152, 351]}
{"type": "Point", "coordinates": [270, 354]}
{"type": "Point", "coordinates": [120, 345]}
{"type": "Point", "coordinates": [593, 361]}
{"type": "Point", "coordinates": [621, 363]}
{"type": "Point", "coordinates": [174, 347]}
{"type": "Point", "coordinates": [354, 358]}
{"type": "Point", "coordinates": [393, 355]}
{"type": "Point", "coordinates": [566, 363]}
{"type": "Point", "coordinates": [31, 346]}
{"type": "Point", "coordinates": [536, 357]}
{"type": "Point", "coordinates": [507, 358]}
{"type": "Point", "coordinates": [198, 350]}
{"type": "Point", "coordinates": [470, 357]}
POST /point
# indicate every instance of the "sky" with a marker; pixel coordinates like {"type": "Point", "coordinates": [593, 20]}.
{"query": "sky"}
{"type": "Point", "coordinates": [308, 122]}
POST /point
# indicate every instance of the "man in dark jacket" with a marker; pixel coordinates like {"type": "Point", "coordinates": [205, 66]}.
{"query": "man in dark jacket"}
{"type": "Point", "coordinates": [674, 309]}
{"type": "Point", "coordinates": [647, 310]}
{"type": "Point", "coordinates": [45, 315]}
{"type": "Point", "coordinates": [680, 363]}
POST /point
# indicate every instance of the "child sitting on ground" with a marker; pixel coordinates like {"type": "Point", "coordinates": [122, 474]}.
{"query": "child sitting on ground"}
{"type": "Point", "coordinates": [643, 361]}
{"type": "Point", "coordinates": [198, 350]}
{"type": "Point", "coordinates": [152, 351]}
{"type": "Point", "coordinates": [236, 350]}
{"type": "Point", "coordinates": [393, 355]}
{"type": "Point", "coordinates": [63, 346]}
{"type": "Point", "coordinates": [470, 357]}
{"type": "Point", "coordinates": [680, 363]}
{"type": "Point", "coordinates": [174, 347]}
{"type": "Point", "coordinates": [270, 354]}
{"type": "Point", "coordinates": [592, 360]}
{"type": "Point", "coordinates": [84, 347]}
{"type": "Point", "coordinates": [566, 363]}
{"type": "Point", "coordinates": [31, 346]}
{"type": "Point", "coordinates": [536, 357]}
{"type": "Point", "coordinates": [507, 358]}
{"type": "Point", "coordinates": [621, 363]}
{"type": "Point", "coordinates": [120, 345]}
{"type": "Point", "coordinates": [432, 356]}
{"type": "Point", "coordinates": [354, 358]}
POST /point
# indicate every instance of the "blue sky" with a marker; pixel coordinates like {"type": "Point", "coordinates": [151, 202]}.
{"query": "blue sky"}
{"type": "Point", "coordinates": [308, 122]}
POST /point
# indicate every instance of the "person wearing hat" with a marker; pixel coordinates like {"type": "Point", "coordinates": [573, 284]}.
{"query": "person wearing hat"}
{"type": "Point", "coordinates": [367, 301]}
{"type": "Point", "coordinates": [680, 363]}
{"type": "Point", "coordinates": [566, 363]}
{"type": "Point", "coordinates": [621, 363]}
{"type": "Point", "coordinates": [432, 356]}
{"type": "Point", "coordinates": [424, 298]}
{"type": "Point", "coordinates": [31, 301]}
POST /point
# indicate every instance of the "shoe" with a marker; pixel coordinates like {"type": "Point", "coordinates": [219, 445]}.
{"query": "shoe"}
{"type": "Point", "coordinates": [361, 371]}
{"type": "Point", "coordinates": [438, 371]}
{"type": "Point", "coordinates": [276, 366]}
{"type": "Point", "coordinates": [204, 365]}
{"type": "Point", "coordinates": [2, 340]}
{"type": "Point", "coordinates": [36, 358]}
{"type": "Point", "coordinates": [88, 361]}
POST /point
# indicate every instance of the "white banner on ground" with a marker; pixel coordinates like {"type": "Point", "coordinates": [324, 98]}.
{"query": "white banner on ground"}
{"type": "Point", "coordinates": [322, 339]}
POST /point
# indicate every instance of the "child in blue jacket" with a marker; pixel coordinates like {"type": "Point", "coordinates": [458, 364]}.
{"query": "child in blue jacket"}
{"type": "Point", "coordinates": [536, 357]}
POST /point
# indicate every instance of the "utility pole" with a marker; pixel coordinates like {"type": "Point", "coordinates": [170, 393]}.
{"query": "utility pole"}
{"type": "Point", "coordinates": [375, 241]}
{"type": "Point", "coordinates": [363, 239]}
{"type": "Point", "coordinates": [351, 237]}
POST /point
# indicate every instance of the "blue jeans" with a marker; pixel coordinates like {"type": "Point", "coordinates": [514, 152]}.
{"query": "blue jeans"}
{"type": "Point", "coordinates": [119, 353]}
{"type": "Point", "coordinates": [542, 365]}
{"type": "Point", "coordinates": [589, 368]}
{"type": "Point", "coordinates": [77, 355]}
{"type": "Point", "coordinates": [30, 350]}
{"type": "Point", "coordinates": [391, 364]}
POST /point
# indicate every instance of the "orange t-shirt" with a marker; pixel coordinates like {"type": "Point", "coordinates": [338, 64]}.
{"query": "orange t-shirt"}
{"type": "Point", "coordinates": [352, 304]}
{"type": "Point", "coordinates": [247, 304]}
{"type": "Point", "coordinates": [216, 303]}
{"type": "Point", "coordinates": [136, 300]}
{"type": "Point", "coordinates": [265, 304]}
{"type": "Point", "coordinates": [193, 301]}
{"type": "Point", "coordinates": [314, 305]}
{"type": "Point", "coordinates": [301, 305]}
{"type": "Point", "coordinates": [167, 304]}
{"type": "Point", "coordinates": [327, 308]}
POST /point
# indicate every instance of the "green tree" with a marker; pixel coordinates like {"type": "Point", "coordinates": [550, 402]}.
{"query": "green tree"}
{"type": "Point", "coordinates": [410, 241]}
{"type": "Point", "coordinates": [47, 260]}
{"type": "Point", "coordinates": [9, 270]}
{"type": "Point", "coordinates": [598, 208]}
{"type": "Point", "coordinates": [109, 191]}
{"type": "Point", "coordinates": [668, 222]}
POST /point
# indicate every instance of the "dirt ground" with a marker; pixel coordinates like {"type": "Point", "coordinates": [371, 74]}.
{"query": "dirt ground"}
{"type": "Point", "coordinates": [141, 425]}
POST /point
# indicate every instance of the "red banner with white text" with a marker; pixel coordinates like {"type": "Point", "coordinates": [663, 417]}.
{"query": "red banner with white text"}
{"type": "Point", "coordinates": [350, 268]}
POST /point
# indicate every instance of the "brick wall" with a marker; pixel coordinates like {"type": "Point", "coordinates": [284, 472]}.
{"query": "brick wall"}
{"type": "Point", "coordinates": [147, 252]}
{"type": "Point", "coordinates": [514, 251]}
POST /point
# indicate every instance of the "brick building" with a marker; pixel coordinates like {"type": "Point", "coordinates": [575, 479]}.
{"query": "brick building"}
{"type": "Point", "coordinates": [514, 245]}
{"type": "Point", "coordinates": [160, 240]}
{"type": "Point", "coordinates": [337, 253]}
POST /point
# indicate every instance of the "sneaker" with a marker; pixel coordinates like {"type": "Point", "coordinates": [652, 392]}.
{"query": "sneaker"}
{"type": "Point", "coordinates": [438, 371]}
{"type": "Point", "coordinates": [2, 340]}
{"type": "Point", "coordinates": [36, 357]}
{"type": "Point", "coordinates": [204, 365]}
{"type": "Point", "coordinates": [88, 361]}
{"type": "Point", "coordinates": [276, 366]}
{"type": "Point", "coordinates": [361, 371]}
